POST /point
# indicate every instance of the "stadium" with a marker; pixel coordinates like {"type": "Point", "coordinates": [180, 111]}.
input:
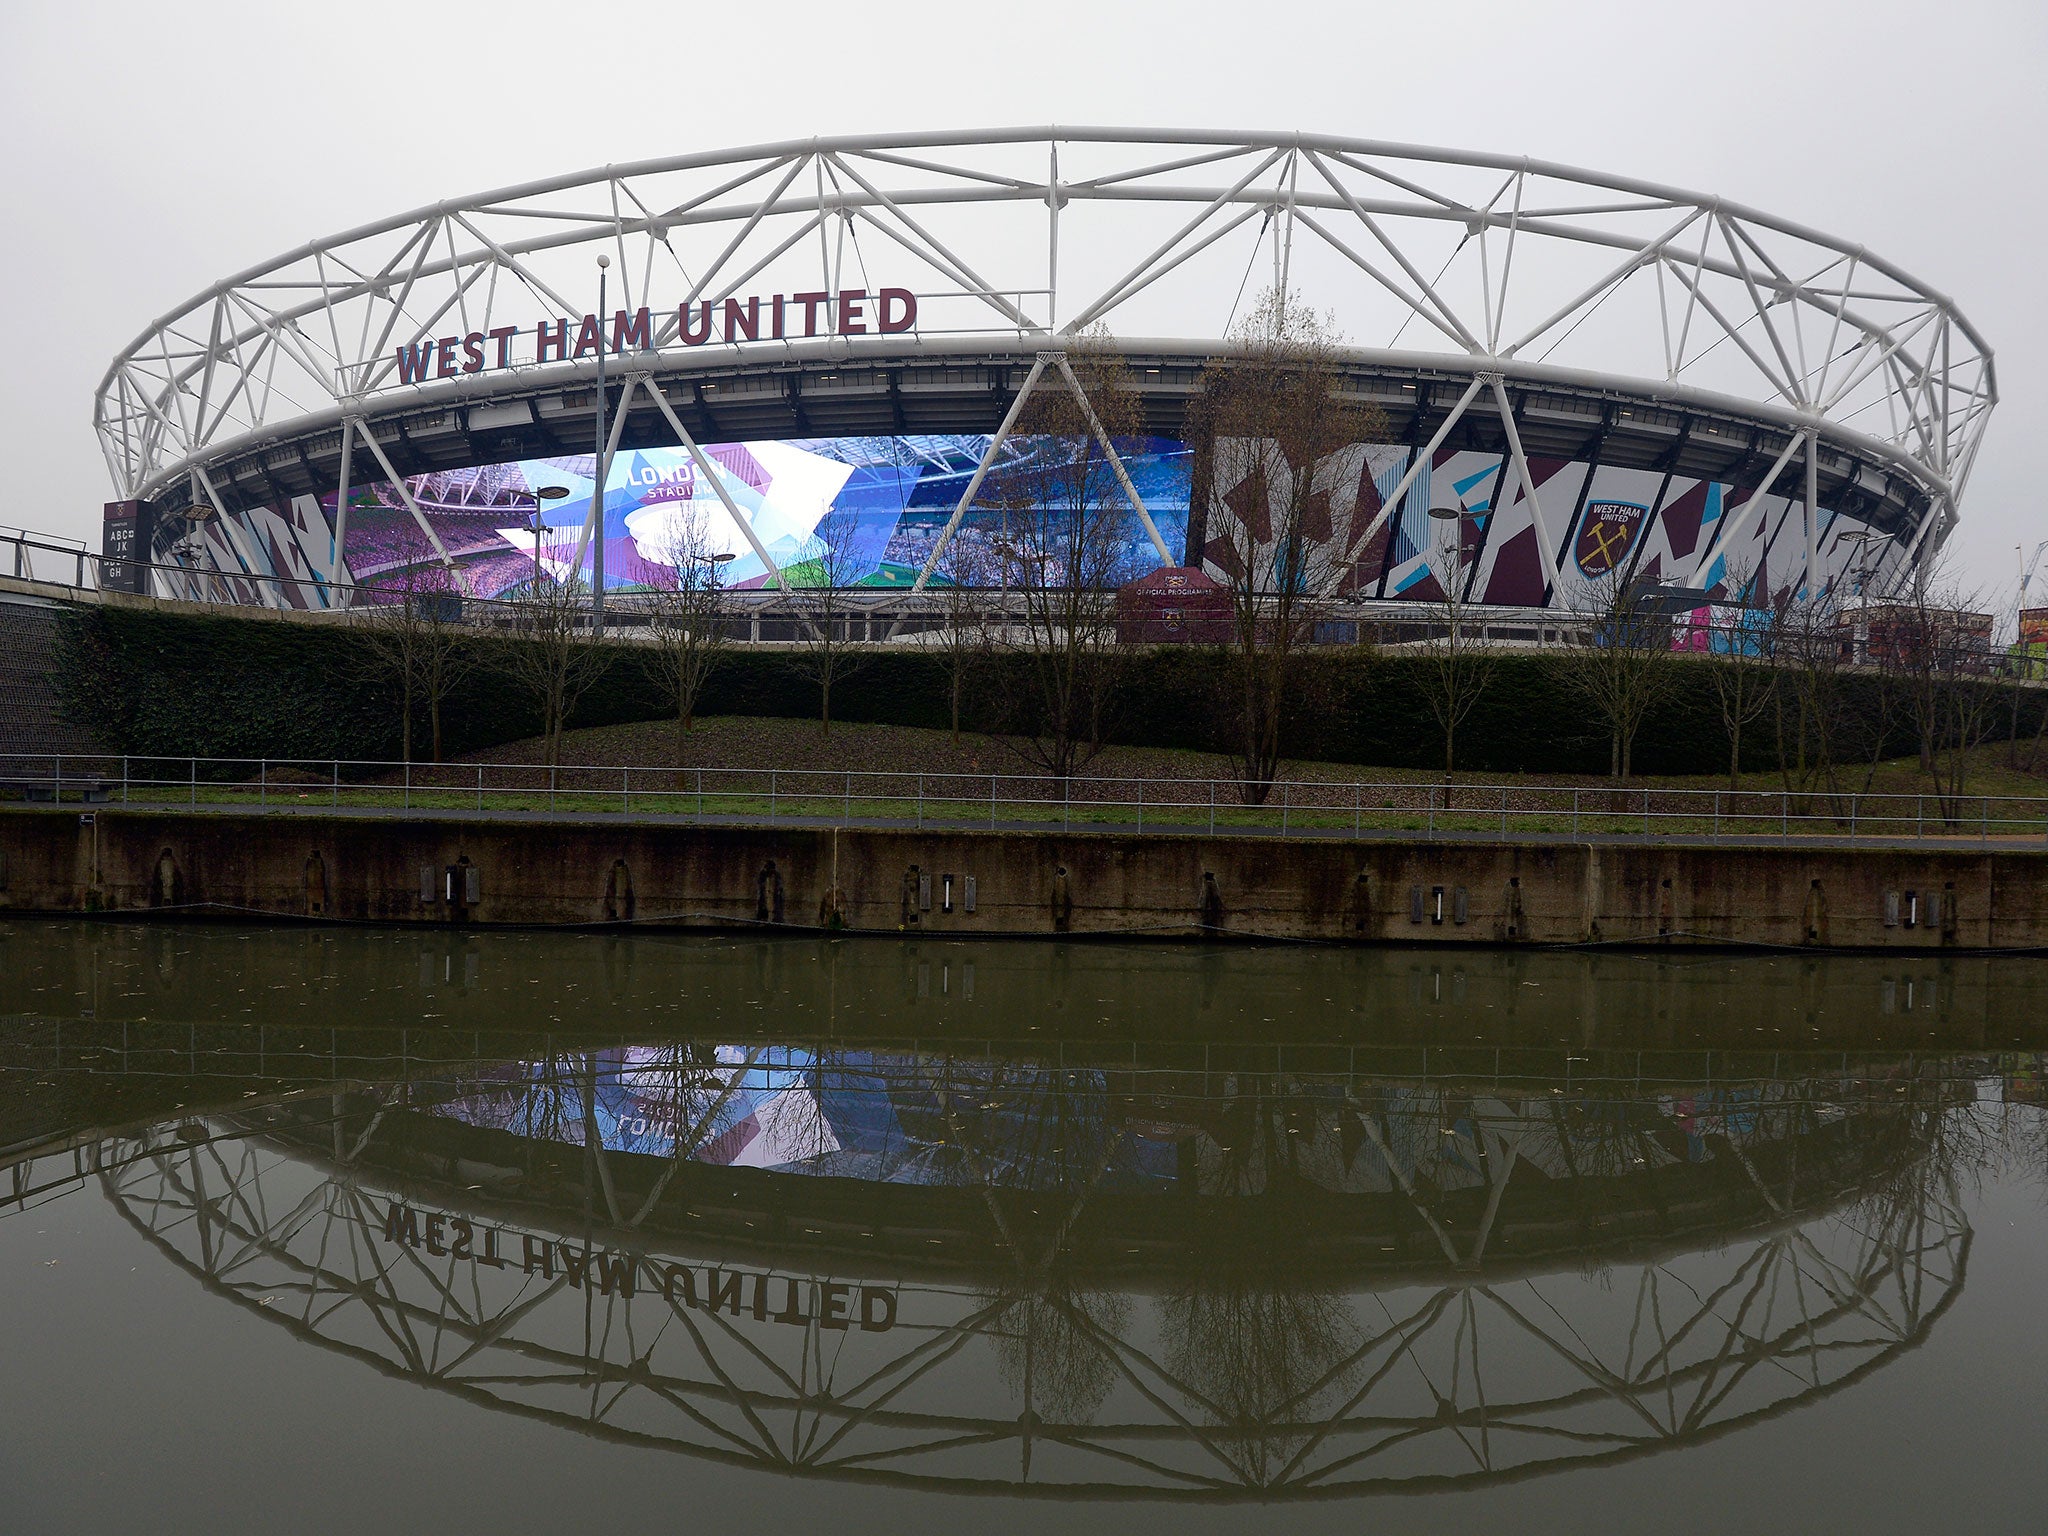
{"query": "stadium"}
{"type": "Point", "coordinates": [818, 351]}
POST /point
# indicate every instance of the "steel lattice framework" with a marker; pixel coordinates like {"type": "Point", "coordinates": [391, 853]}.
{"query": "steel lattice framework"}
{"type": "Point", "coordinates": [1468, 285]}
{"type": "Point", "coordinates": [1011, 1380]}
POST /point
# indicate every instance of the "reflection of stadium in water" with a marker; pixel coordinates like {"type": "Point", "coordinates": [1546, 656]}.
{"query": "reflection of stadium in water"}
{"type": "Point", "coordinates": [1165, 1277]}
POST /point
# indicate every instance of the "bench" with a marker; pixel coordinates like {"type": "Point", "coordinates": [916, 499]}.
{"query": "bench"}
{"type": "Point", "coordinates": [42, 789]}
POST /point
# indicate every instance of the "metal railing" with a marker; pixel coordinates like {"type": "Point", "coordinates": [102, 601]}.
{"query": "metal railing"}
{"type": "Point", "coordinates": [38, 557]}
{"type": "Point", "coordinates": [869, 617]}
{"type": "Point", "coordinates": [1027, 801]}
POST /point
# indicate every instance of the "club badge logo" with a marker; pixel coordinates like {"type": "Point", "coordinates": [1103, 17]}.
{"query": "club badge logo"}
{"type": "Point", "coordinates": [1607, 533]}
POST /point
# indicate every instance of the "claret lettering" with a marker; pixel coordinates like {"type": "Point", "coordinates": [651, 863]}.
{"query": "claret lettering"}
{"type": "Point", "coordinates": [730, 320]}
{"type": "Point", "coordinates": [763, 1296]}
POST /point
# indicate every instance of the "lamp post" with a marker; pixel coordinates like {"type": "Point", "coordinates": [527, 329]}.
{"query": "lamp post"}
{"type": "Point", "coordinates": [541, 493]}
{"type": "Point", "coordinates": [1460, 518]}
{"type": "Point", "coordinates": [712, 561]}
{"type": "Point", "coordinates": [197, 516]}
{"type": "Point", "coordinates": [1867, 546]}
{"type": "Point", "coordinates": [597, 490]}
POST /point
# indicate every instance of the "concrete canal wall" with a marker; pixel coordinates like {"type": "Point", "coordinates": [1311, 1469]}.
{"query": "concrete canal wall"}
{"type": "Point", "coordinates": [454, 870]}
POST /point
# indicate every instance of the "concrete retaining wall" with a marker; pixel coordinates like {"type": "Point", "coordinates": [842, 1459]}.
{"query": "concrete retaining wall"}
{"type": "Point", "coordinates": [460, 871]}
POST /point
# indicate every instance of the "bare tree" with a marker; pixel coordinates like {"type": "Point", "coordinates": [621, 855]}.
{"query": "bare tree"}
{"type": "Point", "coordinates": [1937, 648]}
{"type": "Point", "coordinates": [687, 606]}
{"type": "Point", "coordinates": [1810, 706]}
{"type": "Point", "coordinates": [1065, 545]}
{"type": "Point", "coordinates": [1617, 659]}
{"type": "Point", "coordinates": [964, 640]}
{"type": "Point", "coordinates": [413, 624]}
{"type": "Point", "coordinates": [1458, 665]}
{"type": "Point", "coordinates": [828, 646]}
{"type": "Point", "coordinates": [1265, 425]}
{"type": "Point", "coordinates": [1830, 707]}
{"type": "Point", "coordinates": [553, 655]}
{"type": "Point", "coordinates": [1048, 1349]}
{"type": "Point", "coordinates": [1744, 666]}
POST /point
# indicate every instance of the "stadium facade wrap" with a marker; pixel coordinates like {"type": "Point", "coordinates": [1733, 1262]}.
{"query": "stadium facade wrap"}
{"type": "Point", "coordinates": [815, 350]}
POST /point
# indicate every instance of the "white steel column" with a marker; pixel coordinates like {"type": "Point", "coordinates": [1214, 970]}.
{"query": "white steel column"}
{"type": "Point", "coordinates": [710, 472]}
{"type": "Point", "coordinates": [1393, 500]}
{"type": "Point", "coordinates": [1115, 463]}
{"type": "Point", "coordinates": [593, 523]}
{"type": "Point", "coordinates": [1813, 588]}
{"type": "Point", "coordinates": [988, 458]}
{"type": "Point", "coordinates": [1731, 522]}
{"type": "Point", "coordinates": [1921, 550]}
{"type": "Point", "coordinates": [1507, 417]}
{"type": "Point", "coordinates": [338, 554]}
{"type": "Point", "coordinates": [270, 598]}
{"type": "Point", "coordinates": [405, 495]}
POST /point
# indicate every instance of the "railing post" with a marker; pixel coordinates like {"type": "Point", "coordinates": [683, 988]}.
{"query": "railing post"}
{"type": "Point", "coordinates": [1919, 816]}
{"type": "Point", "coordinates": [1503, 810]}
{"type": "Point", "coordinates": [700, 794]}
{"type": "Point", "coordinates": [479, 786]}
{"type": "Point", "coordinates": [1212, 807]}
{"type": "Point", "coordinates": [991, 802]}
{"type": "Point", "coordinates": [771, 797]}
{"type": "Point", "coordinates": [626, 791]}
{"type": "Point", "coordinates": [60, 778]}
{"type": "Point", "coordinates": [1357, 809]}
{"type": "Point", "coordinates": [263, 781]}
{"type": "Point", "coordinates": [408, 786]}
{"type": "Point", "coordinates": [920, 802]}
{"type": "Point", "coordinates": [124, 779]}
{"type": "Point", "coordinates": [1431, 830]}
{"type": "Point", "coordinates": [335, 798]}
{"type": "Point", "coordinates": [1141, 805]}
{"type": "Point", "coordinates": [1575, 812]}
{"type": "Point", "coordinates": [195, 781]}
{"type": "Point", "coordinates": [1717, 815]}
{"type": "Point", "coordinates": [846, 802]}
{"type": "Point", "coordinates": [1283, 807]}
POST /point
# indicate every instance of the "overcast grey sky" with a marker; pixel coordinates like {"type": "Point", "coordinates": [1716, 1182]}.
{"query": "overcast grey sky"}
{"type": "Point", "coordinates": [151, 148]}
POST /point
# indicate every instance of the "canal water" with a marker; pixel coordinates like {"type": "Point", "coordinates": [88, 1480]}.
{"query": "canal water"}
{"type": "Point", "coordinates": [342, 1230]}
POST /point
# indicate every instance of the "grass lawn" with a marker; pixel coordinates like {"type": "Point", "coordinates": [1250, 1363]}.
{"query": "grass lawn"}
{"type": "Point", "coordinates": [722, 768]}
{"type": "Point", "coordinates": [754, 742]}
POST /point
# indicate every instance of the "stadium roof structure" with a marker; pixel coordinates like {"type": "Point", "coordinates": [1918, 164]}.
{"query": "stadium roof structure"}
{"type": "Point", "coordinates": [1488, 302]}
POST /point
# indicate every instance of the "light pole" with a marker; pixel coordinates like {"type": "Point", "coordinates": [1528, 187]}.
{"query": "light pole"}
{"type": "Point", "coordinates": [597, 490]}
{"type": "Point", "coordinates": [193, 542]}
{"type": "Point", "coordinates": [1460, 518]}
{"type": "Point", "coordinates": [712, 561]}
{"type": "Point", "coordinates": [1867, 546]}
{"type": "Point", "coordinates": [541, 493]}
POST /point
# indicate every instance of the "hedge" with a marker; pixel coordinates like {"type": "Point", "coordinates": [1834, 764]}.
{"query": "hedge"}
{"type": "Point", "coordinates": [148, 682]}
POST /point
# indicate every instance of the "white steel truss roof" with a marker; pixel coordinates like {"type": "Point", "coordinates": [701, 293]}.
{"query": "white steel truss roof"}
{"type": "Point", "coordinates": [1020, 236]}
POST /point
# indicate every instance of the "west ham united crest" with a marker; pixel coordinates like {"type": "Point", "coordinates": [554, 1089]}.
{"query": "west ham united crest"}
{"type": "Point", "coordinates": [1607, 533]}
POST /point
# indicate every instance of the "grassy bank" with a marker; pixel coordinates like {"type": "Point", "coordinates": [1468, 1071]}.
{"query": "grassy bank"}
{"type": "Point", "coordinates": [757, 743]}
